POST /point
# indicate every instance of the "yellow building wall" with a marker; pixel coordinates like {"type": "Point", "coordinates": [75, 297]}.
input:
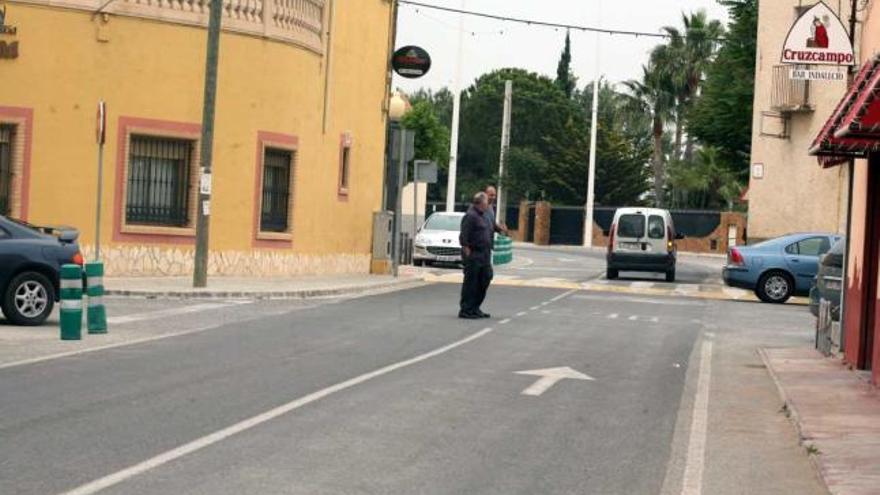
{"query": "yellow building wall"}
{"type": "Point", "coordinates": [151, 69]}
{"type": "Point", "coordinates": [795, 194]}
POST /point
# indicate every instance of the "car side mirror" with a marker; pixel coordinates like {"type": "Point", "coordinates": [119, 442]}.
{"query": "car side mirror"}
{"type": "Point", "coordinates": [679, 236]}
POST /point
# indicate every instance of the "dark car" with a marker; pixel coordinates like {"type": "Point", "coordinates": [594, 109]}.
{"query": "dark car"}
{"type": "Point", "coordinates": [779, 268]}
{"type": "Point", "coordinates": [829, 281]}
{"type": "Point", "coordinates": [30, 267]}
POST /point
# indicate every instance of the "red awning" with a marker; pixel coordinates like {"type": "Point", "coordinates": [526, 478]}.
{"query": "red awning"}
{"type": "Point", "coordinates": [863, 119]}
{"type": "Point", "coordinates": [853, 131]}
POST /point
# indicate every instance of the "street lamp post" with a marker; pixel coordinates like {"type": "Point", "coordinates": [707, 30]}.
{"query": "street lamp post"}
{"type": "Point", "coordinates": [594, 128]}
{"type": "Point", "coordinates": [397, 108]}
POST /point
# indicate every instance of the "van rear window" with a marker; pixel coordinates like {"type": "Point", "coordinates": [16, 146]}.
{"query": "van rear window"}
{"type": "Point", "coordinates": [631, 226]}
{"type": "Point", "coordinates": [656, 227]}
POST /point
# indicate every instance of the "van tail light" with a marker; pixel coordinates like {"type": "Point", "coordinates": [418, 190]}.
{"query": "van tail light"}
{"type": "Point", "coordinates": [735, 258]}
{"type": "Point", "coordinates": [78, 259]}
{"type": "Point", "coordinates": [611, 238]}
{"type": "Point", "coordinates": [670, 239]}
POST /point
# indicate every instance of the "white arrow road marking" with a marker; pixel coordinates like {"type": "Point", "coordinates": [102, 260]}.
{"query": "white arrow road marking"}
{"type": "Point", "coordinates": [549, 377]}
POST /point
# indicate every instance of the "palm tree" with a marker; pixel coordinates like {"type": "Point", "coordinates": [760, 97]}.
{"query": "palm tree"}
{"type": "Point", "coordinates": [654, 95]}
{"type": "Point", "coordinates": [685, 59]}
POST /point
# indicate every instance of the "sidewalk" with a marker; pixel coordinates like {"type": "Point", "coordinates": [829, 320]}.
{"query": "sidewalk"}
{"type": "Point", "coordinates": [837, 416]}
{"type": "Point", "coordinates": [256, 288]}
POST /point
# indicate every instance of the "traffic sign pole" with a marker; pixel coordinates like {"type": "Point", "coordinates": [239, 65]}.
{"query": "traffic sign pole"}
{"type": "Point", "coordinates": [101, 134]}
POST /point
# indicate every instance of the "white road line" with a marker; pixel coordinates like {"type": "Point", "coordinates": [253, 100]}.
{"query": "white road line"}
{"type": "Point", "coordinates": [545, 303]}
{"type": "Point", "coordinates": [655, 319]}
{"type": "Point", "coordinates": [613, 316]}
{"type": "Point", "coordinates": [633, 318]}
{"type": "Point", "coordinates": [562, 296]}
{"type": "Point", "coordinates": [692, 484]}
{"type": "Point", "coordinates": [533, 308]}
{"type": "Point", "coordinates": [220, 435]}
{"type": "Point", "coordinates": [153, 315]}
{"type": "Point", "coordinates": [504, 321]}
{"type": "Point", "coordinates": [521, 313]}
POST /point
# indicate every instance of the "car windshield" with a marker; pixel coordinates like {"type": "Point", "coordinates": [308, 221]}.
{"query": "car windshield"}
{"type": "Point", "coordinates": [443, 222]}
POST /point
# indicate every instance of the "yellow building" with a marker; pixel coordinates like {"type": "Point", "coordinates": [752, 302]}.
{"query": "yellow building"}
{"type": "Point", "coordinates": [299, 134]}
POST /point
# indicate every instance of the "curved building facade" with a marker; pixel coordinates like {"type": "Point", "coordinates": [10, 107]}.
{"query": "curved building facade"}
{"type": "Point", "coordinates": [298, 143]}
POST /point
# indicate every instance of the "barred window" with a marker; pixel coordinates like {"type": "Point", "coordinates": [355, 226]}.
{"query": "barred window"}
{"type": "Point", "coordinates": [159, 181]}
{"type": "Point", "coordinates": [7, 133]}
{"type": "Point", "coordinates": [274, 215]}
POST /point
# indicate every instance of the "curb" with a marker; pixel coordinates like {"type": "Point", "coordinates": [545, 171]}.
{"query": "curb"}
{"type": "Point", "coordinates": [794, 418]}
{"type": "Point", "coordinates": [259, 295]}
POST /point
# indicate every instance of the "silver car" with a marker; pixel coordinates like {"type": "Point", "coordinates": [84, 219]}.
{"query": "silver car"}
{"type": "Point", "coordinates": [437, 240]}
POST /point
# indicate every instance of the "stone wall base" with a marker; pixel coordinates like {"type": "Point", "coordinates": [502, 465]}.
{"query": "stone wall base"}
{"type": "Point", "coordinates": [151, 261]}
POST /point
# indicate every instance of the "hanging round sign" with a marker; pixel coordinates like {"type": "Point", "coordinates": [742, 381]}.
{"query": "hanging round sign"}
{"type": "Point", "coordinates": [411, 62]}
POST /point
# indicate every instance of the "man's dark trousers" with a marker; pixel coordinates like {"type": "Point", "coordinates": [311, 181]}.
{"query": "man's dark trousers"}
{"type": "Point", "coordinates": [477, 277]}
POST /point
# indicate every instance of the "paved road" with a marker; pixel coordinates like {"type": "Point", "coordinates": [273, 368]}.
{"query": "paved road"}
{"type": "Point", "coordinates": [391, 394]}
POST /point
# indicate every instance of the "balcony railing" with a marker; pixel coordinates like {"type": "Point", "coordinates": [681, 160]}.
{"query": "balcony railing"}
{"type": "Point", "coordinates": [298, 22]}
{"type": "Point", "coordinates": [789, 95]}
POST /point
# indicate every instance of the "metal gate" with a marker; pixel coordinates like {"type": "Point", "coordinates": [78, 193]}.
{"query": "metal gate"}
{"type": "Point", "coordinates": [567, 225]}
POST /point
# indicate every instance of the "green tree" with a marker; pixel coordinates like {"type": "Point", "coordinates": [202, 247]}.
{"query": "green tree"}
{"type": "Point", "coordinates": [523, 177]}
{"type": "Point", "coordinates": [432, 141]}
{"type": "Point", "coordinates": [543, 119]}
{"type": "Point", "coordinates": [722, 116]}
{"type": "Point", "coordinates": [706, 183]}
{"type": "Point", "coordinates": [654, 95]}
{"type": "Point", "coordinates": [684, 59]}
{"type": "Point", "coordinates": [565, 79]}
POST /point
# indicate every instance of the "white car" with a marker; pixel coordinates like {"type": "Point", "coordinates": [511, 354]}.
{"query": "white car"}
{"type": "Point", "coordinates": [642, 240]}
{"type": "Point", "coordinates": [437, 240]}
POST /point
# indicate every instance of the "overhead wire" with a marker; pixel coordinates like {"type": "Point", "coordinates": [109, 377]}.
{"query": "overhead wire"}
{"type": "Point", "coordinates": [535, 22]}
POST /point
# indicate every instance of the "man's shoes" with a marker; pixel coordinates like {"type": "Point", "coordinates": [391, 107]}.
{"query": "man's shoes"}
{"type": "Point", "coordinates": [468, 316]}
{"type": "Point", "coordinates": [483, 315]}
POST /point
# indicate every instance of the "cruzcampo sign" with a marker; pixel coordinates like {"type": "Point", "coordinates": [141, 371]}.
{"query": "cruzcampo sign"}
{"type": "Point", "coordinates": [411, 62]}
{"type": "Point", "coordinates": [818, 37]}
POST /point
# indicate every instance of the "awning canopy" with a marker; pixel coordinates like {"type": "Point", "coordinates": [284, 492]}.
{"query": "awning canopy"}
{"type": "Point", "coordinates": [853, 131]}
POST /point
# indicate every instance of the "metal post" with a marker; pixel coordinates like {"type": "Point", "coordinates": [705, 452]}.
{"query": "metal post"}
{"type": "Point", "coordinates": [401, 174]}
{"type": "Point", "coordinates": [456, 104]}
{"type": "Point", "coordinates": [200, 272]}
{"type": "Point", "coordinates": [101, 134]}
{"type": "Point", "coordinates": [505, 146]}
{"type": "Point", "coordinates": [591, 174]}
{"type": "Point", "coordinates": [415, 198]}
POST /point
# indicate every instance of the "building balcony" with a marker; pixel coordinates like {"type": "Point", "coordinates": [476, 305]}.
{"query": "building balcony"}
{"type": "Point", "coordinates": [299, 22]}
{"type": "Point", "coordinates": [789, 95]}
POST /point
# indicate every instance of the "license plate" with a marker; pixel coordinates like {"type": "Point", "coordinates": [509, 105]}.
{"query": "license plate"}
{"type": "Point", "coordinates": [630, 245]}
{"type": "Point", "coordinates": [446, 259]}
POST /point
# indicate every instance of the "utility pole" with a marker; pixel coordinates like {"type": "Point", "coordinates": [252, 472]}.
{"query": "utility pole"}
{"type": "Point", "coordinates": [505, 146]}
{"type": "Point", "coordinates": [200, 272]}
{"type": "Point", "coordinates": [591, 174]}
{"type": "Point", "coordinates": [456, 104]}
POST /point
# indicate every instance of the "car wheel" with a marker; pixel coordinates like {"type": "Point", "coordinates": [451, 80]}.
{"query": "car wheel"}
{"type": "Point", "coordinates": [774, 287]}
{"type": "Point", "coordinates": [29, 299]}
{"type": "Point", "coordinates": [670, 275]}
{"type": "Point", "coordinates": [611, 274]}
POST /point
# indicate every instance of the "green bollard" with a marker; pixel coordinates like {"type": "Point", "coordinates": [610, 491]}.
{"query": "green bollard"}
{"type": "Point", "coordinates": [71, 302]}
{"type": "Point", "coordinates": [96, 314]}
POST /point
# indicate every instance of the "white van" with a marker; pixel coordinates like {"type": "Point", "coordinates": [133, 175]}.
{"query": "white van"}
{"type": "Point", "coordinates": [642, 240]}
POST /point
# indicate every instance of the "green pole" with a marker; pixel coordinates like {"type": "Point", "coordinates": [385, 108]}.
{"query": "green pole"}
{"type": "Point", "coordinates": [200, 271]}
{"type": "Point", "coordinates": [96, 315]}
{"type": "Point", "coordinates": [71, 302]}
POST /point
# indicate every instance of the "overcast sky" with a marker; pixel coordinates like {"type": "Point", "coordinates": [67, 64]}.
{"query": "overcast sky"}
{"type": "Point", "coordinates": [490, 44]}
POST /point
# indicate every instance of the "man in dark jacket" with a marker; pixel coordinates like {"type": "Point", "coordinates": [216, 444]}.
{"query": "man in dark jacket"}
{"type": "Point", "coordinates": [476, 252]}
